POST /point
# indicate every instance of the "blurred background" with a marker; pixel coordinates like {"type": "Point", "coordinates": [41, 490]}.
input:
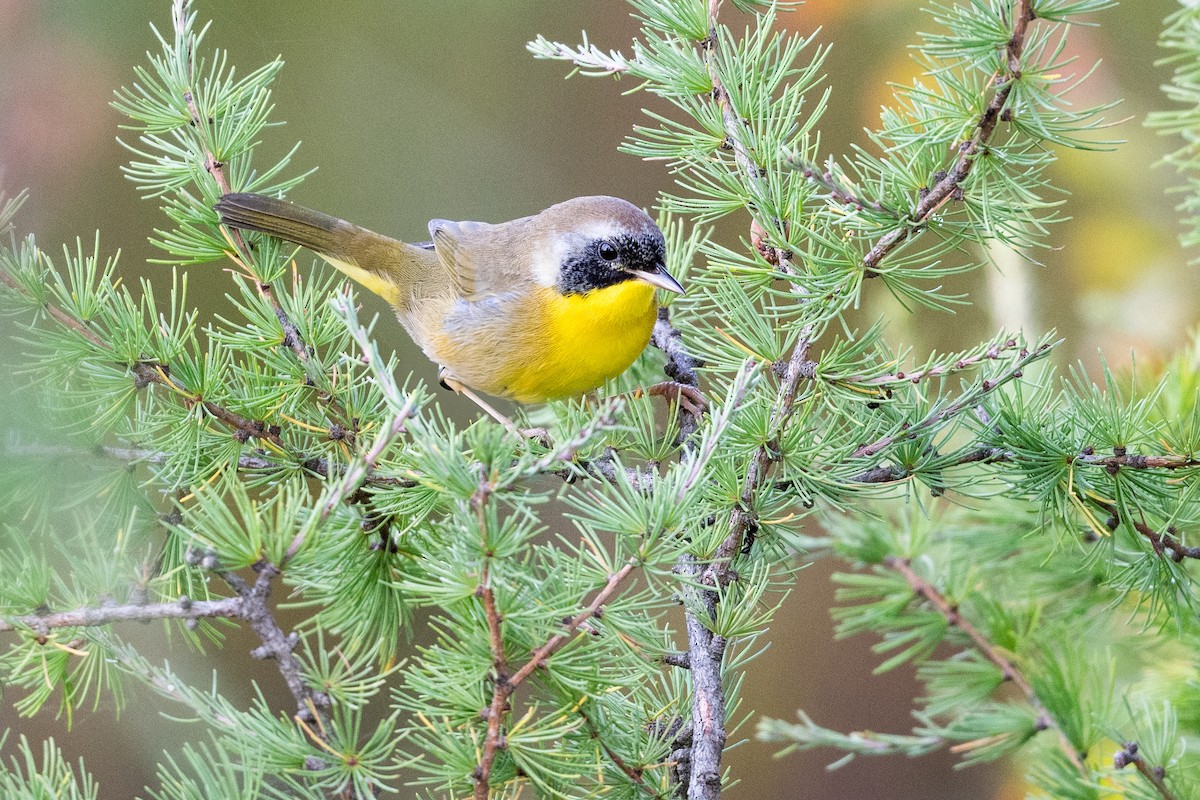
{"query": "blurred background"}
{"type": "Point", "coordinates": [430, 109]}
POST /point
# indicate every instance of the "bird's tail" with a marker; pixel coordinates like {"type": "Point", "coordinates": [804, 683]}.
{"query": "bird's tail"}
{"type": "Point", "coordinates": [303, 226]}
{"type": "Point", "coordinates": [386, 266]}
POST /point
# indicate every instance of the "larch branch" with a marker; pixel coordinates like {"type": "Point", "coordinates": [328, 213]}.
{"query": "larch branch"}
{"type": "Point", "coordinates": [950, 185]}
{"type": "Point", "coordinates": [1156, 776]}
{"type": "Point", "coordinates": [94, 616]}
{"type": "Point", "coordinates": [200, 123]}
{"type": "Point", "coordinates": [928, 592]}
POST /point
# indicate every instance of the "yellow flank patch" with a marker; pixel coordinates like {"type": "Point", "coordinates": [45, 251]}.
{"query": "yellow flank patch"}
{"type": "Point", "coordinates": [584, 340]}
{"type": "Point", "coordinates": [369, 280]}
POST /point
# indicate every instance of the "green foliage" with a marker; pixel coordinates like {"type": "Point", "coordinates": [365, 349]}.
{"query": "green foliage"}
{"type": "Point", "coordinates": [208, 771]}
{"type": "Point", "coordinates": [53, 778]}
{"type": "Point", "coordinates": [999, 525]}
{"type": "Point", "coordinates": [1181, 38]}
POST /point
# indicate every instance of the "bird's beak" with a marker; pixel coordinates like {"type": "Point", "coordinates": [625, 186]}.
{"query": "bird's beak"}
{"type": "Point", "coordinates": [658, 276]}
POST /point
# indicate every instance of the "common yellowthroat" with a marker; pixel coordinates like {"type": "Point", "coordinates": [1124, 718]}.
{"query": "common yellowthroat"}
{"type": "Point", "coordinates": [540, 308]}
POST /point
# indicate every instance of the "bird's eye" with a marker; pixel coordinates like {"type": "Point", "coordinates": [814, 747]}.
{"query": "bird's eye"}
{"type": "Point", "coordinates": [608, 251]}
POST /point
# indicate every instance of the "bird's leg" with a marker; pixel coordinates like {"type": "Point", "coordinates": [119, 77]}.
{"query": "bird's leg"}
{"type": "Point", "coordinates": [686, 397]}
{"type": "Point", "coordinates": [521, 433]}
{"type": "Point", "coordinates": [456, 386]}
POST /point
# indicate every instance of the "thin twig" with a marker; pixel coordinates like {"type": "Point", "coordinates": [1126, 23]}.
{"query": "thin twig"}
{"type": "Point", "coordinates": [949, 186]}
{"type": "Point", "coordinates": [742, 518]}
{"type": "Point", "coordinates": [992, 353]}
{"type": "Point", "coordinates": [250, 463]}
{"type": "Point", "coordinates": [888, 473]}
{"type": "Point", "coordinates": [493, 741]}
{"type": "Point", "coordinates": [634, 774]}
{"type": "Point", "coordinates": [891, 473]}
{"type": "Point", "coordinates": [93, 616]}
{"type": "Point", "coordinates": [63, 317]}
{"type": "Point", "coordinates": [680, 660]}
{"type": "Point", "coordinates": [837, 191]}
{"type": "Point", "coordinates": [991, 651]}
{"type": "Point", "coordinates": [503, 684]}
{"type": "Point", "coordinates": [358, 473]}
{"type": "Point", "coordinates": [1165, 543]}
{"type": "Point", "coordinates": [604, 419]}
{"type": "Point", "coordinates": [215, 168]}
{"type": "Point", "coordinates": [1129, 754]}
{"type": "Point", "coordinates": [1123, 460]}
{"type": "Point", "coordinates": [967, 400]}
{"type": "Point", "coordinates": [555, 643]}
{"type": "Point", "coordinates": [355, 475]}
{"type": "Point", "coordinates": [700, 454]}
{"type": "Point", "coordinates": [735, 129]}
{"type": "Point", "coordinates": [244, 429]}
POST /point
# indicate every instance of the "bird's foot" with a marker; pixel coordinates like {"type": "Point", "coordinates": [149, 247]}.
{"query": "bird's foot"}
{"type": "Point", "coordinates": [688, 398]}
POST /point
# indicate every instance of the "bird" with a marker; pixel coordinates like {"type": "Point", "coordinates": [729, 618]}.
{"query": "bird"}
{"type": "Point", "coordinates": [540, 308]}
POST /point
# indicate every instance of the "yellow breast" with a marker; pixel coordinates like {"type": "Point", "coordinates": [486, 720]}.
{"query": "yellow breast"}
{"type": "Point", "coordinates": [538, 345]}
{"type": "Point", "coordinates": [585, 339]}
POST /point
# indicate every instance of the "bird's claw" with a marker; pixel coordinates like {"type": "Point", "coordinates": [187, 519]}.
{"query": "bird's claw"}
{"type": "Point", "coordinates": [688, 398]}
